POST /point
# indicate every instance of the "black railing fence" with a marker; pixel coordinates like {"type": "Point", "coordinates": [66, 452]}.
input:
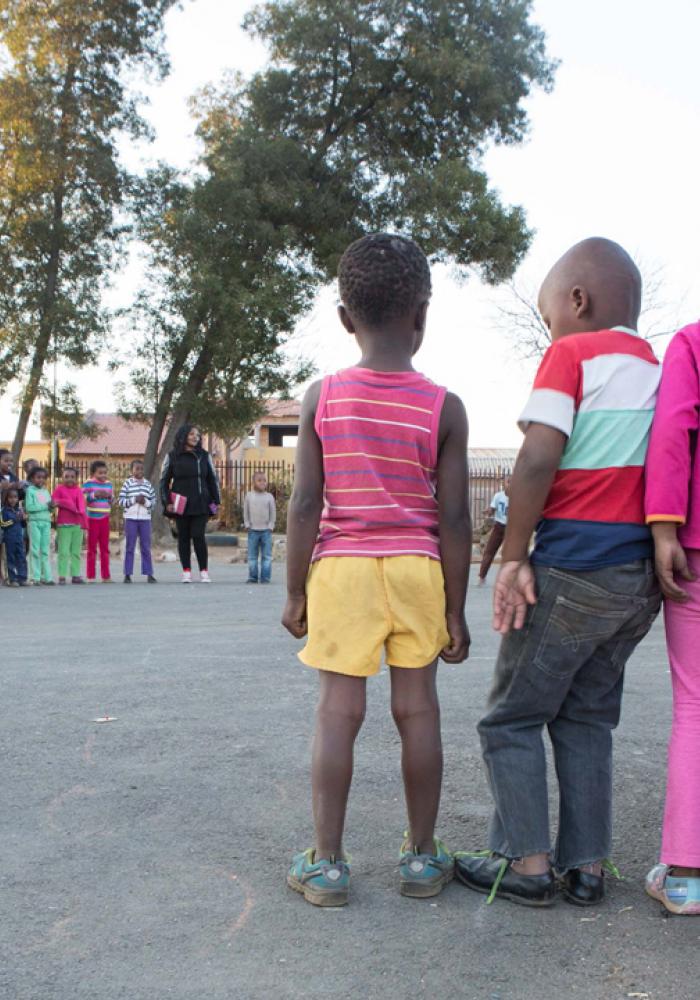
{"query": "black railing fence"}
{"type": "Point", "coordinates": [236, 478]}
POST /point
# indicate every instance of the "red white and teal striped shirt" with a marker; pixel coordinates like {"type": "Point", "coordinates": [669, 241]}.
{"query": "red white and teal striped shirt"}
{"type": "Point", "coordinates": [600, 390]}
{"type": "Point", "coordinates": [379, 436]}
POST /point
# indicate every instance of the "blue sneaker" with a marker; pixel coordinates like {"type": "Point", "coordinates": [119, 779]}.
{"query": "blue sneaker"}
{"type": "Point", "coordinates": [323, 882]}
{"type": "Point", "coordinates": [679, 893]}
{"type": "Point", "coordinates": [423, 875]}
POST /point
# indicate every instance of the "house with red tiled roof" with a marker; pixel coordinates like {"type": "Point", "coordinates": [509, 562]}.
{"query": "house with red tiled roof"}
{"type": "Point", "coordinates": [273, 437]}
{"type": "Point", "coordinates": [118, 439]}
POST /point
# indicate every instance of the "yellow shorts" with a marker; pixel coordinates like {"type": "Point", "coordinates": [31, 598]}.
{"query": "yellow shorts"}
{"type": "Point", "coordinates": [358, 606]}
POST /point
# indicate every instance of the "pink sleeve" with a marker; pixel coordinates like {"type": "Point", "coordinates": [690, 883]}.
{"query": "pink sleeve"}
{"type": "Point", "coordinates": [320, 409]}
{"type": "Point", "coordinates": [668, 464]}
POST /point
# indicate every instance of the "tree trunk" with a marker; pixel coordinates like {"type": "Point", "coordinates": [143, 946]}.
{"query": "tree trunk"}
{"type": "Point", "coordinates": [179, 416]}
{"type": "Point", "coordinates": [160, 417]}
{"type": "Point", "coordinates": [31, 389]}
{"type": "Point", "coordinates": [43, 341]}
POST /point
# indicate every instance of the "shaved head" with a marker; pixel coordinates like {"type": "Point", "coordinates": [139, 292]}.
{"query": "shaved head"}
{"type": "Point", "coordinates": [595, 286]}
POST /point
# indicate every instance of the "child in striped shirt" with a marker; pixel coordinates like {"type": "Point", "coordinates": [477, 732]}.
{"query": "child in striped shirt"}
{"type": "Point", "coordinates": [572, 613]}
{"type": "Point", "coordinates": [98, 493]}
{"type": "Point", "coordinates": [137, 499]}
{"type": "Point", "coordinates": [379, 546]}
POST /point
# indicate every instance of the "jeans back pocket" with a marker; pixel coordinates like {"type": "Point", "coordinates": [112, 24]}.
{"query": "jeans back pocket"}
{"type": "Point", "coordinates": [573, 631]}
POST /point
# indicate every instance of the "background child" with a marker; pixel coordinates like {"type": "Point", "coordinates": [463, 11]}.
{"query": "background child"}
{"type": "Point", "coordinates": [98, 493]}
{"type": "Point", "coordinates": [71, 521]}
{"type": "Point", "coordinates": [382, 468]}
{"type": "Point", "coordinates": [499, 512]}
{"type": "Point", "coordinates": [673, 510]}
{"type": "Point", "coordinates": [137, 499]}
{"type": "Point", "coordinates": [8, 480]}
{"type": "Point", "coordinates": [579, 478]}
{"type": "Point", "coordinates": [12, 524]}
{"type": "Point", "coordinates": [38, 506]}
{"type": "Point", "coordinates": [259, 516]}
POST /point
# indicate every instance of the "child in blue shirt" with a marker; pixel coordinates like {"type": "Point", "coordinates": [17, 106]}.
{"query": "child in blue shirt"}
{"type": "Point", "coordinates": [12, 523]}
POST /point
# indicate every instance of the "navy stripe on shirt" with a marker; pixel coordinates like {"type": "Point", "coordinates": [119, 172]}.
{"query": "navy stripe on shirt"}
{"type": "Point", "coordinates": [590, 545]}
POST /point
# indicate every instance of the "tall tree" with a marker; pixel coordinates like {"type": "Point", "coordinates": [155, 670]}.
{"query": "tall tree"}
{"type": "Point", "coordinates": [63, 103]}
{"type": "Point", "coordinates": [223, 291]}
{"type": "Point", "coordinates": [369, 115]}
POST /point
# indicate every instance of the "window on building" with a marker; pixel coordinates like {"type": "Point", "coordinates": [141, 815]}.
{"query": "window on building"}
{"type": "Point", "coordinates": [283, 437]}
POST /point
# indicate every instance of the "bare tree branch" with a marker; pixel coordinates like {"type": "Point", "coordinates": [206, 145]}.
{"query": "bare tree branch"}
{"type": "Point", "coordinates": [521, 319]}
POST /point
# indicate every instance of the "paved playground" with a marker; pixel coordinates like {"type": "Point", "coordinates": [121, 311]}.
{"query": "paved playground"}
{"type": "Point", "coordinates": [144, 858]}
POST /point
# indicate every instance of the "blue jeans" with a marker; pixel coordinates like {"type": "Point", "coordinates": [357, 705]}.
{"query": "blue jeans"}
{"type": "Point", "coordinates": [16, 554]}
{"type": "Point", "coordinates": [564, 670]}
{"type": "Point", "coordinates": [260, 542]}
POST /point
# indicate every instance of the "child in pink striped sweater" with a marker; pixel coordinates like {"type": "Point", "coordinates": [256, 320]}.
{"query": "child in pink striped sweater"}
{"type": "Point", "coordinates": [379, 545]}
{"type": "Point", "coordinates": [673, 510]}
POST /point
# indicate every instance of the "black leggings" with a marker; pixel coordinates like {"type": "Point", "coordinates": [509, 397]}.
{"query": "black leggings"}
{"type": "Point", "coordinates": [190, 529]}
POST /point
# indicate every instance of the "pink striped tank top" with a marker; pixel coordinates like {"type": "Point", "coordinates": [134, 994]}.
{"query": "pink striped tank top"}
{"type": "Point", "coordinates": [379, 436]}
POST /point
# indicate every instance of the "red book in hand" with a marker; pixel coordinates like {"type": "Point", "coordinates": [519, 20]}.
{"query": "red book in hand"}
{"type": "Point", "coordinates": [178, 503]}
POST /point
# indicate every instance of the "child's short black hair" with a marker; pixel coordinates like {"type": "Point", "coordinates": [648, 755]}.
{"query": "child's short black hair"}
{"type": "Point", "coordinates": [70, 468]}
{"type": "Point", "coordinates": [32, 472]}
{"type": "Point", "coordinates": [383, 277]}
{"type": "Point", "coordinates": [135, 461]}
{"type": "Point", "coordinates": [99, 463]}
{"type": "Point", "coordinates": [11, 493]}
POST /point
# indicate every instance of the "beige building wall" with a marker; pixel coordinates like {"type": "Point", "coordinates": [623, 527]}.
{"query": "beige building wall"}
{"type": "Point", "coordinates": [267, 454]}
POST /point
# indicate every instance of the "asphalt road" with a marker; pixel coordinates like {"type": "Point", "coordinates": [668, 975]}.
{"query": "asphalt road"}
{"type": "Point", "coordinates": [145, 857]}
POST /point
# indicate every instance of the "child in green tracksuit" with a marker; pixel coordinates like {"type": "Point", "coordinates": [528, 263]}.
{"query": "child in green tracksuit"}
{"type": "Point", "coordinates": [38, 506]}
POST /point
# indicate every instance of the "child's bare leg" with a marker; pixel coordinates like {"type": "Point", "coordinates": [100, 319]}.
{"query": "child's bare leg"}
{"type": "Point", "coordinates": [416, 711]}
{"type": "Point", "coordinates": [340, 713]}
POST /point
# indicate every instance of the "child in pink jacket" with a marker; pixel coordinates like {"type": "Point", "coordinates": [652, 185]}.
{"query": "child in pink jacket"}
{"type": "Point", "coordinates": [673, 510]}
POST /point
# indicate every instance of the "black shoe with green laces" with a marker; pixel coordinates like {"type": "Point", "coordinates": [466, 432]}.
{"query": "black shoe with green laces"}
{"type": "Point", "coordinates": [494, 876]}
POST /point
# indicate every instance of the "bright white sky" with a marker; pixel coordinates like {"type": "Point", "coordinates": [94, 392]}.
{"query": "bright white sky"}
{"type": "Point", "coordinates": [612, 152]}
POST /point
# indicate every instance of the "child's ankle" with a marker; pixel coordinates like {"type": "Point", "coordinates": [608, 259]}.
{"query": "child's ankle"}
{"type": "Point", "coordinates": [533, 864]}
{"type": "Point", "coordinates": [328, 854]}
{"type": "Point", "coordinates": [683, 871]}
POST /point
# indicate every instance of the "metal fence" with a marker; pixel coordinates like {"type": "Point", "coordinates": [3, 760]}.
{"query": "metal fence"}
{"type": "Point", "coordinates": [236, 478]}
{"type": "Point", "coordinates": [484, 481]}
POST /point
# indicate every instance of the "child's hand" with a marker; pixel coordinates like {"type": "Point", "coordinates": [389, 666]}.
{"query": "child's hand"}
{"type": "Point", "coordinates": [513, 592]}
{"type": "Point", "coordinates": [140, 499]}
{"type": "Point", "coordinates": [670, 559]}
{"type": "Point", "coordinates": [294, 617]}
{"type": "Point", "coordinates": [457, 649]}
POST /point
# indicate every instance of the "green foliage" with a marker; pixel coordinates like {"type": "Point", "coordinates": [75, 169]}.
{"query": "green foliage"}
{"type": "Point", "coordinates": [62, 415]}
{"type": "Point", "coordinates": [369, 115]}
{"type": "Point", "coordinates": [62, 104]}
{"type": "Point", "coordinates": [225, 290]}
{"type": "Point", "coordinates": [393, 104]}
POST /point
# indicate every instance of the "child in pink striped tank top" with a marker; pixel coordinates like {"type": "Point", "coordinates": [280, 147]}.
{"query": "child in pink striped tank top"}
{"type": "Point", "coordinates": [379, 547]}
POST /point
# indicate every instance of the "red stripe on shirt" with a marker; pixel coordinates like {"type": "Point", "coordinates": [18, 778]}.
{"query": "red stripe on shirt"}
{"type": "Point", "coordinates": [611, 495]}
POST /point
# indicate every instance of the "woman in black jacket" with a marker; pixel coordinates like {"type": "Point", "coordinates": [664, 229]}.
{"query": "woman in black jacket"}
{"type": "Point", "coordinates": [188, 471]}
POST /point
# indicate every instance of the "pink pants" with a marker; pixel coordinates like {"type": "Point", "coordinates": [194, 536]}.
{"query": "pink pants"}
{"type": "Point", "coordinates": [98, 536]}
{"type": "Point", "coordinates": [680, 843]}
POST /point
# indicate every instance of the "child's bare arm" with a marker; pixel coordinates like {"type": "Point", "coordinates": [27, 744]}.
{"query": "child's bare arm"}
{"type": "Point", "coordinates": [304, 514]}
{"type": "Point", "coordinates": [455, 523]}
{"type": "Point", "coordinates": [534, 473]}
